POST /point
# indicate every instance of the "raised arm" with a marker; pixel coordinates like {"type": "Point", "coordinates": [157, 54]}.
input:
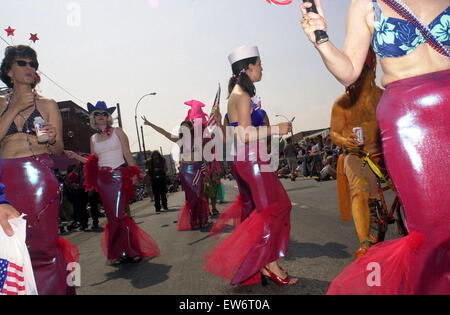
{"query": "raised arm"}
{"type": "Point", "coordinates": [162, 131]}
{"type": "Point", "coordinates": [219, 125]}
{"type": "Point", "coordinates": [345, 65]}
{"type": "Point", "coordinates": [73, 155]}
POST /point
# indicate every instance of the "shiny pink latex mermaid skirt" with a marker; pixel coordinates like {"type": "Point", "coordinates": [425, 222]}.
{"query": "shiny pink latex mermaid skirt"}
{"type": "Point", "coordinates": [262, 237]}
{"type": "Point", "coordinates": [196, 209]}
{"type": "Point", "coordinates": [121, 237]}
{"type": "Point", "coordinates": [414, 117]}
{"type": "Point", "coordinates": [32, 188]}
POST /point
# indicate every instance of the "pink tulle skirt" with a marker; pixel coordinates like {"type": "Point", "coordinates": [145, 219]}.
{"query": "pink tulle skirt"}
{"type": "Point", "coordinates": [261, 238]}
{"type": "Point", "coordinates": [236, 212]}
{"type": "Point", "coordinates": [231, 213]}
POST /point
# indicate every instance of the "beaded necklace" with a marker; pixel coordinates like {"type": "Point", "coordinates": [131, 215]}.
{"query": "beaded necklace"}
{"type": "Point", "coordinates": [26, 122]}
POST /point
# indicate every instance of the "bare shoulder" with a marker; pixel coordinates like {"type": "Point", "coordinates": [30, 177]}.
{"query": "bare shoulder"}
{"type": "Point", "coordinates": [45, 100]}
{"type": "Point", "coordinates": [120, 132]}
{"type": "Point", "coordinates": [362, 5]}
{"type": "Point", "coordinates": [46, 103]}
{"type": "Point", "coordinates": [362, 10]}
{"type": "Point", "coordinates": [238, 92]}
{"type": "Point", "coordinates": [240, 98]}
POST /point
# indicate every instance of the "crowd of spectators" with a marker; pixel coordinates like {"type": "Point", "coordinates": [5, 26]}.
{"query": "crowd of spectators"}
{"type": "Point", "coordinates": [314, 157]}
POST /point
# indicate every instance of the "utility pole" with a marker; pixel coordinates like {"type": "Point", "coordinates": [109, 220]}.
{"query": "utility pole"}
{"type": "Point", "coordinates": [143, 143]}
{"type": "Point", "coordinates": [135, 119]}
{"type": "Point", "coordinates": [119, 117]}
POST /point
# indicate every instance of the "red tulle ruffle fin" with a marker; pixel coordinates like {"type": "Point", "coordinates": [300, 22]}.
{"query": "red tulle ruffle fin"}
{"type": "Point", "coordinates": [386, 269]}
{"type": "Point", "coordinates": [141, 241]}
{"type": "Point", "coordinates": [70, 251]}
{"type": "Point", "coordinates": [226, 258]}
{"type": "Point", "coordinates": [128, 173]}
{"type": "Point", "coordinates": [416, 240]}
{"type": "Point", "coordinates": [90, 169]}
{"type": "Point", "coordinates": [231, 212]}
{"type": "Point", "coordinates": [184, 218]}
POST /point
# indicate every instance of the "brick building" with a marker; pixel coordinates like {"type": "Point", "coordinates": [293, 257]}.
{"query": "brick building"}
{"type": "Point", "coordinates": [76, 128]}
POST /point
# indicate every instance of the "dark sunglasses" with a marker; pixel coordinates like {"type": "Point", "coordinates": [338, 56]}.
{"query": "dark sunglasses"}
{"type": "Point", "coordinates": [23, 63]}
{"type": "Point", "coordinates": [104, 114]}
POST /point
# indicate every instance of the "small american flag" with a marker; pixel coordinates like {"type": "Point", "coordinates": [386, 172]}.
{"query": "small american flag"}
{"type": "Point", "coordinates": [11, 278]}
{"type": "Point", "coordinates": [211, 123]}
{"type": "Point", "coordinates": [203, 168]}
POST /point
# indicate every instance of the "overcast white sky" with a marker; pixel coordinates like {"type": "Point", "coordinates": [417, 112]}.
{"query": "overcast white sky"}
{"type": "Point", "coordinates": [120, 50]}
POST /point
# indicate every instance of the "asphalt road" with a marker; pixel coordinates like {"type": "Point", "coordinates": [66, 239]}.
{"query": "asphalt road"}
{"type": "Point", "coordinates": [320, 247]}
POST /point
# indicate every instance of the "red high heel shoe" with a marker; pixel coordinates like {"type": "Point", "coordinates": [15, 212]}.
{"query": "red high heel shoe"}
{"type": "Point", "coordinates": [277, 279]}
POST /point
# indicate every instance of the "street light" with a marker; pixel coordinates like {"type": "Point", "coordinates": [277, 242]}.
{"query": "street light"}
{"type": "Point", "coordinates": [135, 119]}
{"type": "Point", "coordinates": [289, 120]}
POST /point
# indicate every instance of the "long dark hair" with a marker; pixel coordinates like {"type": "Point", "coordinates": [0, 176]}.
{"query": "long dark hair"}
{"type": "Point", "coordinates": [241, 78]}
{"type": "Point", "coordinates": [11, 54]}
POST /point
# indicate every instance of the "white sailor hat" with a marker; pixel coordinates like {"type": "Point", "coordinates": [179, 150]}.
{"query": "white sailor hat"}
{"type": "Point", "coordinates": [243, 52]}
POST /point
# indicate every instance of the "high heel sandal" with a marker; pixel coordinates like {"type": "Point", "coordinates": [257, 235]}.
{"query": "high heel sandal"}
{"type": "Point", "coordinates": [277, 279]}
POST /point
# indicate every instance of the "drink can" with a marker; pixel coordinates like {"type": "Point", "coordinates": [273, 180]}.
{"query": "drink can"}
{"type": "Point", "coordinates": [359, 134]}
{"type": "Point", "coordinates": [38, 125]}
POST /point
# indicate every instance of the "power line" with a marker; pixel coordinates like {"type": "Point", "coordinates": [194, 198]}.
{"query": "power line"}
{"type": "Point", "coordinates": [9, 44]}
{"type": "Point", "coordinates": [40, 72]}
{"type": "Point", "coordinates": [50, 79]}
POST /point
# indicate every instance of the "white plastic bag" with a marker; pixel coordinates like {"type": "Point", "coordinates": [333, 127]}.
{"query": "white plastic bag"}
{"type": "Point", "coordinates": [18, 276]}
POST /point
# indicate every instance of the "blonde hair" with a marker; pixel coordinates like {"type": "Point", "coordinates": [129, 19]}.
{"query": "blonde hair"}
{"type": "Point", "coordinates": [92, 123]}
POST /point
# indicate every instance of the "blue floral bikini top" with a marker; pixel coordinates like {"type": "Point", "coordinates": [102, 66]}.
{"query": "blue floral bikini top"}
{"type": "Point", "coordinates": [394, 37]}
{"type": "Point", "coordinates": [258, 115]}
